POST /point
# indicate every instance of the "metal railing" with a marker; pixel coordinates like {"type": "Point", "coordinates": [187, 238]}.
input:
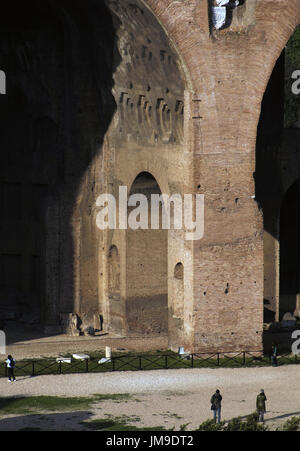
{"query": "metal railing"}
{"type": "Point", "coordinates": [149, 362]}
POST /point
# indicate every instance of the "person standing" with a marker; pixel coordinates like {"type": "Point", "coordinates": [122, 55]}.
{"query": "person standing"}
{"type": "Point", "coordinates": [261, 406]}
{"type": "Point", "coordinates": [216, 405]}
{"type": "Point", "coordinates": [11, 364]}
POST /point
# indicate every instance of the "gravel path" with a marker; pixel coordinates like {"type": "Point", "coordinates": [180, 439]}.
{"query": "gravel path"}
{"type": "Point", "coordinates": [176, 397]}
{"type": "Point", "coordinates": [140, 382]}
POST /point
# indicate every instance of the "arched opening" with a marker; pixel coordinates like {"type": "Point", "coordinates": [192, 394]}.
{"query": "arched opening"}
{"type": "Point", "coordinates": [56, 110]}
{"type": "Point", "coordinates": [290, 250]}
{"type": "Point", "coordinates": [76, 74]}
{"type": "Point", "coordinates": [146, 134]}
{"type": "Point", "coordinates": [276, 170]}
{"type": "Point", "coordinates": [179, 271]}
{"type": "Point", "coordinates": [146, 270]}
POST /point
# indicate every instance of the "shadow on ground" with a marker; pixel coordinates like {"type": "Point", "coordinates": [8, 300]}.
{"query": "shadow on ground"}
{"type": "Point", "coordinates": [285, 416]}
{"type": "Point", "coordinates": [69, 421]}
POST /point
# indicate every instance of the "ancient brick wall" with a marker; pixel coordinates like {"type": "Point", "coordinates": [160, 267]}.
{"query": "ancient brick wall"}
{"type": "Point", "coordinates": [229, 71]}
{"type": "Point", "coordinates": [124, 88]}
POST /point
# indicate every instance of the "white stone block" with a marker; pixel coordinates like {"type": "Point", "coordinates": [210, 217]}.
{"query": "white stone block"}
{"type": "Point", "coordinates": [81, 357]}
{"type": "Point", "coordinates": [64, 360]}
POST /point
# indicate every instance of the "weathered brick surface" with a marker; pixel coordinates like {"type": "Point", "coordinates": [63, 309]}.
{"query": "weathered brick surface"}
{"type": "Point", "coordinates": [229, 72]}
{"type": "Point", "coordinates": [145, 87]}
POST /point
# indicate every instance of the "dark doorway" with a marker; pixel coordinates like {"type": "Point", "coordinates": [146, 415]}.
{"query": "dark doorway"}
{"type": "Point", "coordinates": [147, 270]}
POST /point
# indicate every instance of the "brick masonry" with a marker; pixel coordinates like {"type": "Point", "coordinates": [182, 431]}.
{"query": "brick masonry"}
{"type": "Point", "coordinates": [150, 87]}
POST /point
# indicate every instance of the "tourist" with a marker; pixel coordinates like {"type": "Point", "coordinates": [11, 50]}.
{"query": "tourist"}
{"type": "Point", "coordinates": [261, 406]}
{"type": "Point", "coordinates": [216, 400]}
{"type": "Point", "coordinates": [10, 364]}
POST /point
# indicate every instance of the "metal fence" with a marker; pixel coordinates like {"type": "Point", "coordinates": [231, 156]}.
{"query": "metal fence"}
{"type": "Point", "coordinates": [148, 362]}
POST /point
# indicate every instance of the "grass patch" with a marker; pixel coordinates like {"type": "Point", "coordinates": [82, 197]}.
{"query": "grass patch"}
{"type": "Point", "coordinates": [235, 425]}
{"type": "Point", "coordinates": [248, 424]}
{"type": "Point", "coordinates": [27, 405]}
{"type": "Point", "coordinates": [117, 424]}
{"type": "Point", "coordinates": [122, 397]}
{"type": "Point", "coordinates": [33, 404]}
{"type": "Point", "coordinates": [291, 425]}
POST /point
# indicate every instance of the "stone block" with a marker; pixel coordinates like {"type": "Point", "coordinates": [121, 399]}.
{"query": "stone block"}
{"type": "Point", "coordinates": [70, 324]}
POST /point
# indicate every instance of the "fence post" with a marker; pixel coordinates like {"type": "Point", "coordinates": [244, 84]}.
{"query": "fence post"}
{"type": "Point", "coordinates": [218, 359]}
{"type": "Point", "coordinates": [86, 365]}
{"type": "Point", "coordinates": [32, 373]}
{"type": "Point", "coordinates": [140, 363]}
{"type": "Point", "coordinates": [192, 360]}
{"type": "Point", "coordinates": [166, 362]}
{"type": "Point", "coordinates": [244, 358]}
{"type": "Point", "coordinates": [114, 365]}
{"type": "Point", "coordinates": [60, 367]}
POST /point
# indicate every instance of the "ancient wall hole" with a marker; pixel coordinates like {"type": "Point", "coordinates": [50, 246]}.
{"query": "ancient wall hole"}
{"type": "Point", "coordinates": [179, 271]}
{"type": "Point", "coordinates": [232, 15]}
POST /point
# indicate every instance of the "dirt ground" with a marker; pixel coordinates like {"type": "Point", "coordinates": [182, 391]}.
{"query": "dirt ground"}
{"type": "Point", "coordinates": [157, 398]}
{"type": "Point", "coordinates": [161, 398]}
{"type": "Point", "coordinates": [28, 345]}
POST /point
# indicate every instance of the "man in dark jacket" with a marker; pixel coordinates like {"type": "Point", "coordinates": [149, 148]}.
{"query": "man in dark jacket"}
{"type": "Point", "coordinates": [216, 406]}
{"type": "Point", "coordinates": [261, 406]}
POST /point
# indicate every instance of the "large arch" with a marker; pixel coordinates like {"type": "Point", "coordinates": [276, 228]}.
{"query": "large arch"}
{"type": "Point", "coordinates": [106, 95]}
{"type": "Point", "coordinates": [142, 86]}
{"type": "Point", "coordinates": [149, 134]}
{"type": "Point", "coordinates": [290, 251]}
{"type": "Point", "coordinates": [276, 171]}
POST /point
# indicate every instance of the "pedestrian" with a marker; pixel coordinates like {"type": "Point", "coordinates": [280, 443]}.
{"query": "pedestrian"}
{"type": "Point", "coordinates": [274, 353]}
{"type": "Point", "coordinates": [11, 364]}
{"type": "Point", "coordinates": [261, 406]}
{"type": "Point", "coordinates": [216, 401]}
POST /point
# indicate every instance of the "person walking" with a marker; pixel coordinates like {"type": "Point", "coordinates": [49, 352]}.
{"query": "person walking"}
{"type": "Point", "coordinates": [216, 401]}
{"type": "Point", "coordinates": [261, 406]}
{"type": "Point", "coordinates": [11, 364]}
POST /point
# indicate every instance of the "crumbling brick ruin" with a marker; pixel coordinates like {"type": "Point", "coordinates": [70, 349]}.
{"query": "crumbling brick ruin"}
{"type": "Point", "coordinates": [148, 94]}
